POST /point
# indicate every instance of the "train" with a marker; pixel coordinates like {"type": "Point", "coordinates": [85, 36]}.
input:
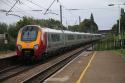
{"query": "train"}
{"type": "Point", "coordinates": [34, 41]}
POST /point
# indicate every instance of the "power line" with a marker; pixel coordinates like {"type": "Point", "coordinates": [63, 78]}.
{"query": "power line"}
{"type": "Point", "coordinates": [49, 6]}
{"type": "Point", "coordinates": [3, 10]}
{"type": "Point", "coordinates": [67, 9]}
{"type": "Point", "coordinates": [42, 7]}
{"type": "Point", "coordinates": [25, 11]}
{"type": "Point", "coordinates": [36, 11]}
{"type": "Point", "coordinates": [15, 15]}
{"type": "Point", "coordinates": [36, 4]}
{"type": "Point", "coordinates": [12, 7]}
{"type": "Point", "coordinates": [21, 9]}
{"type": "Point", "coordinates": [8, 4]}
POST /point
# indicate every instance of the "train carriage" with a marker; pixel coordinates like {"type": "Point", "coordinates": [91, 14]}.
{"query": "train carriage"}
{"type": "Point", "coordinates": [33, 41]}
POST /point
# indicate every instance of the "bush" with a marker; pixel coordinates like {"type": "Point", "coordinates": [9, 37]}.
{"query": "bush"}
{"type": "Point", "coordinates": [11, 46]}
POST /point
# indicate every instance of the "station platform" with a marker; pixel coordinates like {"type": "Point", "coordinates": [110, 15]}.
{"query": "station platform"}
{"type": "Point", "coordinates": [7, 54]}
{"type": "Point", "coordinates": [97, 67]}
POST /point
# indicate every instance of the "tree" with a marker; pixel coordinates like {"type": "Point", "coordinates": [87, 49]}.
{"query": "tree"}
{"type": "Point", "coordinates": [88, 26]}
{"type": "Point", "coordinates": [12, 31]}
{"type": "Point", "coordinates": [50, 23]}
{"type": "Point", "coordinates": [25, 21]}
{"type": "Point", "coordinates": [74, 28]}
{"type": "Point", "coordinates": [92, 18]}
{"type": "Point", "coordinates": [115, 29]}
{"type": "Point", "coordinates": [3, 28]}
{"type": "Point", "coordinates": [122, 23]}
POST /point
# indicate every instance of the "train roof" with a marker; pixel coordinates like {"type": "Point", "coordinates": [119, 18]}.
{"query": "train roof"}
{"type": "Point", "coordinates": [46, 29]}
{"type": "Point", "coordinates": [51, 30]}
{"type": "Point", "coordinates": [60, 31]}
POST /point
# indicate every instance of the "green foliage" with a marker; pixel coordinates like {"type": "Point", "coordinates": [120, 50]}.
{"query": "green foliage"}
{"type": "Point", "coordinates": [11, 46]}
{"type": "Point", "coordinates": [3, 28]}
{"type": "Point", "coordinates": [92, 18]}
{"type": "Point", "coordinates": [51, 23]}
{"type": "Point", "coordinates": [110, 43]}
{"type": "Point", "coordinates": [115, 27]}
{"type": "Point", "coordinates": [88, 25]}
{"type": "Point", "coordinates": [74, 28]}
{"type": "Point", "coordinates": [121, 51]}
{"type": "Point", "coordinates": [25, 21]}
{"type": "Point", "coordinates": [13, 31]}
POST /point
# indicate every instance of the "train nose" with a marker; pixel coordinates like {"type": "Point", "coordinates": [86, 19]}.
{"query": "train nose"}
{"type": "Point", "coordinates": [27, 53]}
{"type": "Point", "coordinates": [27, 45]}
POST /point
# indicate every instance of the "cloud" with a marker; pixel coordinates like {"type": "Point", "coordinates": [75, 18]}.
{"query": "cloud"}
{"type": "Point", "coordinates": [105, 16]}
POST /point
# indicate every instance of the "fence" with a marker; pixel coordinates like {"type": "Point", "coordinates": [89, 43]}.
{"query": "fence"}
{"type": "Point", "coordinates": [109, 44]}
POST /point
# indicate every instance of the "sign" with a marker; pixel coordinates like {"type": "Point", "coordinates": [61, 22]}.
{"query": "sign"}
{"type": "Point", "coordinates": [2, 36]}
{"type": "Point", "coordinates": [5, 41]}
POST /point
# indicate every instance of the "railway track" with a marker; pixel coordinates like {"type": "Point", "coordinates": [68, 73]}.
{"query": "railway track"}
{"type": "Point", "coordinates": [7, 62]}
{"type": "Point", "coordinates": [13, 71]}
{"type": "Point", "coordinates": [39, 78]}
{"type": "Point", "coordinates": [38, 73]}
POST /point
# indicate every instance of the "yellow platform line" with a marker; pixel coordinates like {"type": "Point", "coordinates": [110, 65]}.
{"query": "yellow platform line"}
{"type": "Point", "coordinates": [84, 71]}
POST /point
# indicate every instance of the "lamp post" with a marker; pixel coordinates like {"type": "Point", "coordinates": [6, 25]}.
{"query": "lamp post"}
{"type": "Point", "coordinates": [119, 25]}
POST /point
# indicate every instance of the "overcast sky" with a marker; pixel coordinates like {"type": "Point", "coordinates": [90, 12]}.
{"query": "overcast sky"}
{"type": "Point", "coordinates": [105, 16]}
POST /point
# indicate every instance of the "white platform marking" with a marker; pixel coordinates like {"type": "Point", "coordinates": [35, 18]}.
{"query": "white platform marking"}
{"type": "Point", "coordinates": [63, 79]}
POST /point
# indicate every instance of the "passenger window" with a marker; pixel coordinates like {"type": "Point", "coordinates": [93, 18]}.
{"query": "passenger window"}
{"type": "Point", "coordinates": [79, 36]}
{"type": "Point", "coordinates": [49, 37]}
{"type": "Point", "coordinates": [70, 37]}
{"type": "Point", "coordinates": [55, 37]}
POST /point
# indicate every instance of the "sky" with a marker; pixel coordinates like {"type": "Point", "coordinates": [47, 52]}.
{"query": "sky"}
{"type": "Point", "coordinates": [105, 16]}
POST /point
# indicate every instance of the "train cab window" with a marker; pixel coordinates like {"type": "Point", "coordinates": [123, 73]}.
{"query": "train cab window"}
{"type": "Point", "coordinates": [29, 33]}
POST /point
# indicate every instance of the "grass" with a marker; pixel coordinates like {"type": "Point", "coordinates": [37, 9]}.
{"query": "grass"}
{"type": "Point", "coordinates": [121, 51]}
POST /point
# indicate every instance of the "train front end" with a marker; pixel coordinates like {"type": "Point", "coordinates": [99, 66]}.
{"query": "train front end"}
{"type": "Point", "coordinates": [29, 42]}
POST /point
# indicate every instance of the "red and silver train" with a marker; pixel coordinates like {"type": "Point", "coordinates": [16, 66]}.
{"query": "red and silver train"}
{"type": "Point", "coordinates": [33, 41]}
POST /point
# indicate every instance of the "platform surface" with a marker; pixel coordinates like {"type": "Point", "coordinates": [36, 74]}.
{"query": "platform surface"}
{"type": "Point", "coordinates": [99, 67]}
{"type": "Point", "coordinates": [7, 54]}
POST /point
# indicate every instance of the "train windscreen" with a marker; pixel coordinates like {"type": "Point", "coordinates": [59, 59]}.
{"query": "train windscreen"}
{"type": "Point", "coordinates": [29, 33]}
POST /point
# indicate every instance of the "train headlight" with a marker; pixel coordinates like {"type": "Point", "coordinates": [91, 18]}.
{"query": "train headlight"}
{"type": "Point", "coordinates": [19, 47]}
{"type": "Point", "coordinates": [36, 47]}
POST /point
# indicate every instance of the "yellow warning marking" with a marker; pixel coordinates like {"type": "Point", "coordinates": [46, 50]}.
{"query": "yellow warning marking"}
{"type": "Point", "coordinates": [84, 71]}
